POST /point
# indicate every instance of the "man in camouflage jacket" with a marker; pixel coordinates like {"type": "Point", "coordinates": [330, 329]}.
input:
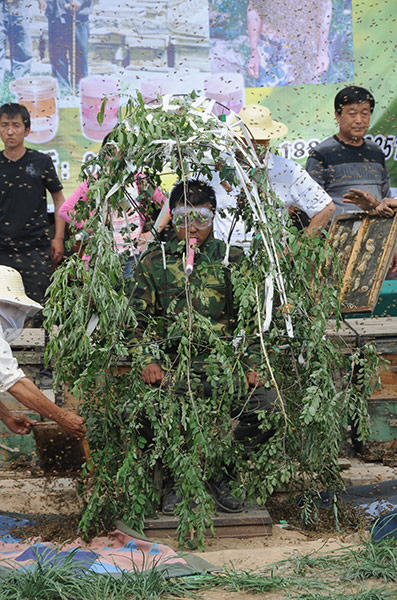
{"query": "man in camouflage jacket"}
{"type": "Point", "coordinates": [159, 293]}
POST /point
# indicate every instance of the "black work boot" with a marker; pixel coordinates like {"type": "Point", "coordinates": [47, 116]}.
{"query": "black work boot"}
{"type": "Point", "coordinates": [171, 499]}
{"type": "Point", "coordinates": [220, 488]}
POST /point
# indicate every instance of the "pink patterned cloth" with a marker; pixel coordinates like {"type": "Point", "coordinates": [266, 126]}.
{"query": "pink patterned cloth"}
{"type": "Point", "coordinates": [114, 553]}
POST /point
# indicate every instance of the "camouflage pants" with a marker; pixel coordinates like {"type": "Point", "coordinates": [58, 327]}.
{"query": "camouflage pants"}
{"type": "Point", "coordinates": [244, 411]}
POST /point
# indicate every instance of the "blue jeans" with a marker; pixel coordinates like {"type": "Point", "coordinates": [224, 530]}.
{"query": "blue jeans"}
{"type": "Point", "coordinates": [60, 48]}
{"type": "Point", "coordinates": [15, 26]}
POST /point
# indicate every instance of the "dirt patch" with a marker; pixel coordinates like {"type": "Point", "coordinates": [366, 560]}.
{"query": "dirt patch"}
{"type": "Point", "coordinates": [20, 463]}
{"type": "Point", "coordinates": [286, 511]}
{"type": "Point", "coordinates": [50, 528]}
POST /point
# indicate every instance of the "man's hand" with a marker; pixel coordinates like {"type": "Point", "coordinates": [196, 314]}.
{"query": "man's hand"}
{"type": "Point", "coordinates": [385, 208]}
{"type": "Point", "coordinates": [18, 423]}
{"type": "Point", "coordinates": [252, 379]}
{"type": "Point", "coordinates": [71, 423]}
{"type": "Point", "coordinates": [254, 63]}
{"type": "Point", "coordinates": [42, 5]}
{"type": "Point", "coordinates": [56, 251]}
{"type": "Point", "coordinates": [74, 6]}
{"type": "Point", "coordinates": [365, 200]}
{"type": "Point", "coordinates": [153, 374]}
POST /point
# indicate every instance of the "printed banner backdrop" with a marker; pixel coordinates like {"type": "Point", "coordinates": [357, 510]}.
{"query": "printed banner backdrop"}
{"type": "Point", "coordinates": [61, 58]}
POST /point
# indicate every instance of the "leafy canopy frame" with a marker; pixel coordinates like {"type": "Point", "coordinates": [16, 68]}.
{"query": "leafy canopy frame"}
{"type": "Point", "coordinates": [90, 307]}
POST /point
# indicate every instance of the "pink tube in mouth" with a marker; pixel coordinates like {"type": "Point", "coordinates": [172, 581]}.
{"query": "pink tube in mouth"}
{"type": "Point", "coordinates": [190, 256]}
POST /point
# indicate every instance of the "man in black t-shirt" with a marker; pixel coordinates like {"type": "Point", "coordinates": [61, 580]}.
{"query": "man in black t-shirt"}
{"type": "Point", "coordinates": [25, 177]}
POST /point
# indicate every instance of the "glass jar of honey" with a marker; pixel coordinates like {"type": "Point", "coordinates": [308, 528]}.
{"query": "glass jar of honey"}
{"type": "Point", "coordinates": [40, 96]}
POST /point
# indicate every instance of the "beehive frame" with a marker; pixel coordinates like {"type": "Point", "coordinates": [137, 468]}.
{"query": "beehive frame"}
{"type": "Point", "coordinates": [364, 245]}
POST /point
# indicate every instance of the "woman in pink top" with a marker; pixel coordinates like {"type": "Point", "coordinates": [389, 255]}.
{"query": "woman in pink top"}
{"type": "Point", "coordinates": [135, 219]}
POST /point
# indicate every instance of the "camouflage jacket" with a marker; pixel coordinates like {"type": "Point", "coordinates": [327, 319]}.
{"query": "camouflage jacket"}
{"type": "Point", "coordinates": [160, 293]}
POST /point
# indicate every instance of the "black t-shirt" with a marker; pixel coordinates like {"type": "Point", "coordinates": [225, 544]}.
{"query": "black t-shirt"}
{"type": "Point", "coordinates": [23, 199]}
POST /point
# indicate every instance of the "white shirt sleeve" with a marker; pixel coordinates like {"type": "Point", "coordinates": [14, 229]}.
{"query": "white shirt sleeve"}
{"type": "Point", "coordinates": [307, 194]}
{"type": "Point", "coordinates": [10, 373]}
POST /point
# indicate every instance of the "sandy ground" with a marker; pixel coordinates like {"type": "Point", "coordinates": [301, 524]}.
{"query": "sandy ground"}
{"type": "Point", "coordinates": [21, 493]}
{"type": "Point", "coordinates": [255, 553]}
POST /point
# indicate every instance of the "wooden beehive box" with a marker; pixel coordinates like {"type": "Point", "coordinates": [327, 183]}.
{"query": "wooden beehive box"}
{"type": "Point", "coordinates": [364, 245]}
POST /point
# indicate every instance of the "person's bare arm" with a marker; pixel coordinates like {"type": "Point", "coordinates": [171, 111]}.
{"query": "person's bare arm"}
{"type": "Point", "coordinates": [320, 219]}
{"type": "Point", "coordinates": [367, 201]}
{"type": "Point", "coordinates": [26, 392]}
{"type": "Point", "coordinates": [57, 242]}
{"type": "Point", "coordinates": [254, 23]}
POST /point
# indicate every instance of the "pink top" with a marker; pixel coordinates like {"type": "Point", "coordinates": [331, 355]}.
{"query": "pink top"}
{"type": "Point", "coordinates": [135, 218]}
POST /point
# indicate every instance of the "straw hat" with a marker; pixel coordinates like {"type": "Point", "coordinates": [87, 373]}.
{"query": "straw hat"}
{"type": "Point", "coordinates": [12, 289]}
{"type": "Point", "coordinates": [260, 124]}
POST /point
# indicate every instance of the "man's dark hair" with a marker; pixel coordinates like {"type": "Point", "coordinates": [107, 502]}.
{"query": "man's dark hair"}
{"type": "Point", "coordinates": [194, 192]}
{"type": "Point", "coordinates": [352, 94]}
{"type": "Point", "coordinates": [12, 109]}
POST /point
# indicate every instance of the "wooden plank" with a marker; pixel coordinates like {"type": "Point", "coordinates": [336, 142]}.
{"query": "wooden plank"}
{"type": "Point", "coordinates": [30, 337]}
{"type": "Point", "coordinates": [28, 357]}
{"type": "Point", "coordinates": [385, 346]}
{"type": "Point", "coordinates": [381, 272]}
{"type": "Point", "coordinates": [250, 523]}
{"type": "Point", "coordinates": [248, 531]}
{"type": "Point", "coordinates": [342, 331]}
{"type": "Point", "coordinates": [382, 328]}
{"type": "Point", "coordinates": [352, 263]}
{"type": "Point", "coordinates": [379, 327]}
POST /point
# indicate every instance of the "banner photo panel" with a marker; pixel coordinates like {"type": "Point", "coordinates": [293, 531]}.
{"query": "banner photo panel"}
{"type": "Point", "coordinates": [62, 59]}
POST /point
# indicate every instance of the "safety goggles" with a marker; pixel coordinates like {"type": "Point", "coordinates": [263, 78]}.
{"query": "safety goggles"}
{"type": "Point", "coordinates": [200, 217]}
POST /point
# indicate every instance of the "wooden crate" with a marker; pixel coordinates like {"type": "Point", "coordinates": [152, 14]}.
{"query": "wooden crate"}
{"type": "Point", "coordinates": [382, 404]}
{"type": "Point", "coordinates": [383, 419]}
{"type": "Point", "coordinates": [28, 349]}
